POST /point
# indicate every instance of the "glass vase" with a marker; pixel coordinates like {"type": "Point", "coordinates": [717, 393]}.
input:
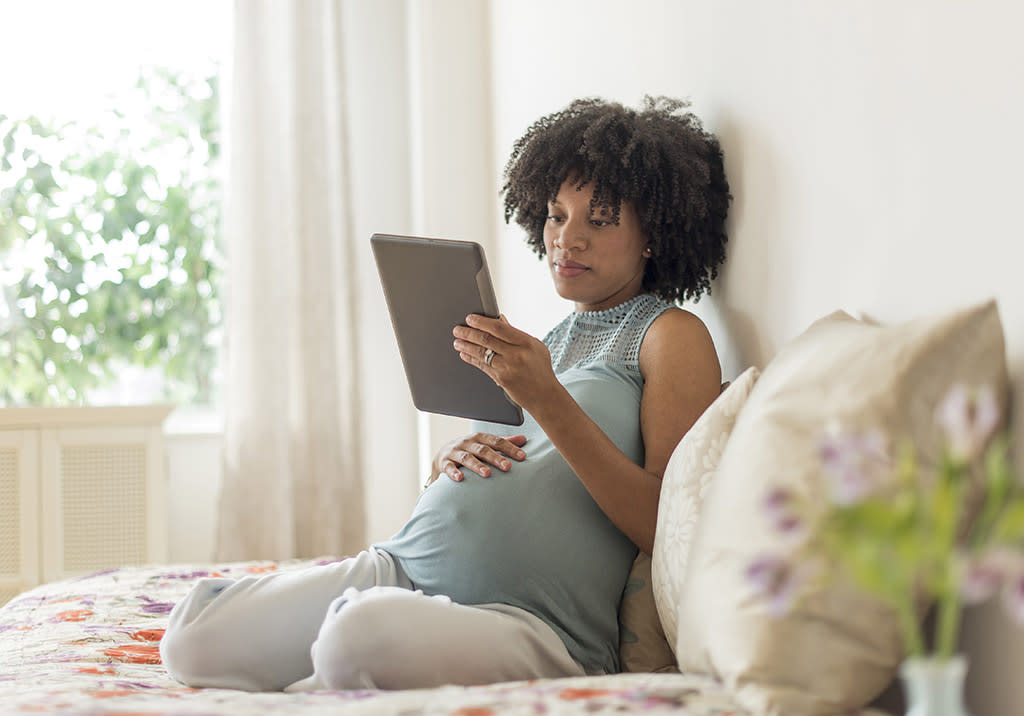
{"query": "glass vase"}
{"type": "Point", "coordinates": [934, 687]}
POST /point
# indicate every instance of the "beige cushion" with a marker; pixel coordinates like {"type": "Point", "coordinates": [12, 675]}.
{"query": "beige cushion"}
{"type": "Point", "coordinates": [837, 648]}
{"type": "Point", "coordinates": [642, 643]}
{"type": "Point", "coordinates": [683, 487]}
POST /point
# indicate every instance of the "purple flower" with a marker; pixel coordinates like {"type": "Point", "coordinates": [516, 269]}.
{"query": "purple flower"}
{"type": "Point", "coordinates": [185, 575]}
{"type": "Point", "coordinates": [152, 606]}
{"type": "Point", "coordinates": [854, 463]}
{"type": "Point", "coordinates": [986, 574]}
{"type": "Point", "coordinates": [101, 573]}
{"type": "Point", "coordinates": [968, 418]}
{"type": "Point", "coordinates": [777, 579]}
{"type": "Point", "coordinates": [780, 507]}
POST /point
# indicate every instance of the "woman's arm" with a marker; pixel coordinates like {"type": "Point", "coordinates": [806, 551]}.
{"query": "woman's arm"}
{"type": "Point", "coordinates": [681, 378]}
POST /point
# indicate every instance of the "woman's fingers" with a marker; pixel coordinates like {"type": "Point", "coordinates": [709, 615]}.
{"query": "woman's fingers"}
{"type": "Point", "coordinates": [468, 349]}
{"type": "Point", "coordinates": [452, 470]}
{"type": "Point", "coordinates": [520, 364]}
{"type": "Point", "coordinates": [483, 456]}
{"type": "Point", "coordinates": [470, 340]}
{"type": "Point", "coordinates": [495, 449]}
{"type": "Point", "coordinates": [495, 333]}
{"type": "Point", "coordinates": [482, 451]}
{"type": "Point", "coordinates": [512, 446]}
{"type": "Point", "coordinates": [500, 328]}
{"type": "Point", "coordinates": [469, 460]}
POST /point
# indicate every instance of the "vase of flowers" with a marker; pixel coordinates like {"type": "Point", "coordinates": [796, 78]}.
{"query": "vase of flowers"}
{"type": "Point", "coordinates": [915, 535]}
{"type": "Point", "coordinates": [934, 687]}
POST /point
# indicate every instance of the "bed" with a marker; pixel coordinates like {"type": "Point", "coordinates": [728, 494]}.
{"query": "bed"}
{"type": "Point", "coordinates": [91, 646]}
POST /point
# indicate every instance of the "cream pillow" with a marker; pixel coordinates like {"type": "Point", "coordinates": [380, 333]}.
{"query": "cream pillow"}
{"type": "Point", "coordinates": [837, 648]}
{"type": "Point", "coordinates": [683, 487]}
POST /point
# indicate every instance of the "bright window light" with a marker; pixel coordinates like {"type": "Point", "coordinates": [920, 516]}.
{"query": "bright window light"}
{"type": "Point", "coordinates": [110, 193]}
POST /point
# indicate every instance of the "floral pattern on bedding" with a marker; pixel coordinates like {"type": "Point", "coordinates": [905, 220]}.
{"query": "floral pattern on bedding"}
{"type": "Point", "coordinates": [91, 646]}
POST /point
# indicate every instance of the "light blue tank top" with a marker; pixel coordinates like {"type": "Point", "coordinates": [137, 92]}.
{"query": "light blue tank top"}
{"type": "Point", "coordinates": [533, 537]}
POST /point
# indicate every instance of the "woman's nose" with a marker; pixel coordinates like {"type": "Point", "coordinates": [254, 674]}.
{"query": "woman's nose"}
{"type": "Point", "coordinates": [572, 235]}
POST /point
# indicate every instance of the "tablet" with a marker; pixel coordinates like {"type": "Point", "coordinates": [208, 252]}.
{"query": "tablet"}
{"type": "Point", "coordinates": [431, 285]}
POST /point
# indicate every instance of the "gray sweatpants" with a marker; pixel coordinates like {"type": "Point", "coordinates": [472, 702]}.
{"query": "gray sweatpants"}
{"type": "Point", "coordinates": [352, 624]}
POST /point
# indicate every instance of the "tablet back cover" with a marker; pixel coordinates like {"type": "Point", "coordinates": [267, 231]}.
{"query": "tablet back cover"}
{"type": "Point", "coordinates": [431, 285]}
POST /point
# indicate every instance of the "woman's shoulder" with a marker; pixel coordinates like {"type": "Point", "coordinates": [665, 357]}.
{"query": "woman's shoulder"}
{"type": "Point", "coordinates": [678, 337]}
{"type": "Point", "coordinates": [674, 323]}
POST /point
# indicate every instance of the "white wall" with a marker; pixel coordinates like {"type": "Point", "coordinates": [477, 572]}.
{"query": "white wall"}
{"type": "Point", "coordinates": [871, 146]}
{"type": "Point", "coordinates": [873, 149]}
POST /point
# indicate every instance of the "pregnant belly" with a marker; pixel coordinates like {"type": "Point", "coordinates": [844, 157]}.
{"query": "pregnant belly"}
{"type": "Point", "coordinates": [508, 538]}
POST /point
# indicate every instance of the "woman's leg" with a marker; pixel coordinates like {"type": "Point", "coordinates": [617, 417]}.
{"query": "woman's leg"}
{"type": "Point", "coordinates": [255, 633]}
{"type": "Point", "coordinates": [386, 638]}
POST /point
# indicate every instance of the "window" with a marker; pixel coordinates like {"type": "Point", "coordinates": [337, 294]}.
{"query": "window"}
{"type": "Point", "coordinates": [110, 193]}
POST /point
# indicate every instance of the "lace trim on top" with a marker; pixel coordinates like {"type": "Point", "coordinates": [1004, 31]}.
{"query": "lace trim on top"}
{"type": "Point", "coordinates": [612, 335]}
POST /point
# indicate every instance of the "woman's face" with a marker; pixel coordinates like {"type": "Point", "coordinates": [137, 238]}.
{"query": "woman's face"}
{"type": "Point", "coordinates": [594, 263]}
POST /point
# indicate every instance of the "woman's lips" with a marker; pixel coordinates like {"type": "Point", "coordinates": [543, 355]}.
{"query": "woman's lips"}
{"type": "Point", "coordinates": [569, 269]}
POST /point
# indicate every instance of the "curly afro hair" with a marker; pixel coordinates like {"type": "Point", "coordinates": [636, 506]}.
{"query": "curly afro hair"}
{"type": "Point", "coordinates": [658, 158]}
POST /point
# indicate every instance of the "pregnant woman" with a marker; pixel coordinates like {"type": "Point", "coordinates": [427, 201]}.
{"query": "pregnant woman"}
{"type": "Point", "coordinates": [513, 562]}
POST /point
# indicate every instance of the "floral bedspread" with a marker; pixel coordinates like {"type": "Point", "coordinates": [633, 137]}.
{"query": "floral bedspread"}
{"type": "Point", "coordinates": [91, 646]}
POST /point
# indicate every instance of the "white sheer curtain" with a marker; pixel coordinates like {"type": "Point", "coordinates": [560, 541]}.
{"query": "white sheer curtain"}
{"type": "Point", "coordinates": [292, 483]}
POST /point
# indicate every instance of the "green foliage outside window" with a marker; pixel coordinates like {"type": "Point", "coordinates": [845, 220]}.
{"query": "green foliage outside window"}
{"type": "Point", "coordinates": [109, 249]}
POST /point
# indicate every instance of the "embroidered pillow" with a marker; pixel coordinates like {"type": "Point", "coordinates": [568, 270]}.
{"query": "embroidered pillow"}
{"type": "Point", "coordinates": [683, 487]}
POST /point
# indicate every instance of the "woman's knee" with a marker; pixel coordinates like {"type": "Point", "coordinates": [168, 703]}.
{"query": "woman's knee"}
{"type": "Point", "coordinates": [364, 637]}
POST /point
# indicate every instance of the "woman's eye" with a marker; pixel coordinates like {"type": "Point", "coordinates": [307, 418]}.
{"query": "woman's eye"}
{"type": "Point", "coordinates": [599, 222]}
{"type": "Point", "coordinates": [554, 219]}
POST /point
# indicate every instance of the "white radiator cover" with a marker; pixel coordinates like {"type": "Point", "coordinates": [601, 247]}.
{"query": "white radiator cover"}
{"type": "Point", "coordinates": [81, 490]}
{"type": "Point", "coordinates": [19, 512]}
